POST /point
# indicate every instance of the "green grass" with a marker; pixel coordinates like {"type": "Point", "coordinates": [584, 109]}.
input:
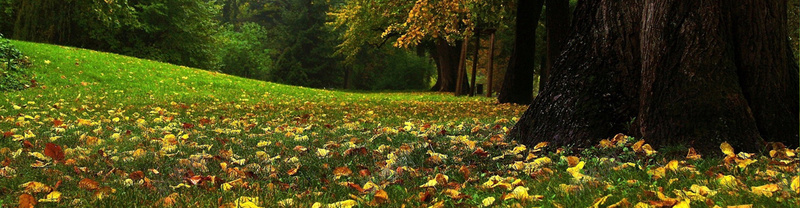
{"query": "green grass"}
{"type": "Point", "coordinates": [120, 114]}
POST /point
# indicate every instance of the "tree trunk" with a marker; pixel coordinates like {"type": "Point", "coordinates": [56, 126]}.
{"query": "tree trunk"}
{"type": "Point", "coordinates": [766, 67]}
{"type": "Point", "coordinates": [557, 16]}
{"type": "Point", "coordinates": [447, 65]}
{"type": "Point", "coordinates": [589, 95]}
{"type": "Point", "coordinates": [694, 73]}
{"type": "Point", "coordinates": [690, 90]}
{"type": "Point", "coordinates": [518, 81]}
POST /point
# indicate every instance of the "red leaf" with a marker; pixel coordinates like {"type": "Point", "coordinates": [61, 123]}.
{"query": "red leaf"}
{"type": "Point", "coordinates": [54, 151]}
{"type": "Point", "coordinates": [57, 123]}
{"type": "Point", "coordinates": [27, 144]}
{"type": "Point", "coordinates": [188, 125]}
{"type": "Point", "coordinates": [135, 176]}
{"type": "Point", "coordinates": [8, 134]}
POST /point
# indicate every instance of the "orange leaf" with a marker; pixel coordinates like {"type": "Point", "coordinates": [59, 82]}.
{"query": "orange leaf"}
{"type": "Point", "coordinates": [54, 151]}
{"type": "Point", "coordinates": [26, 200]}
{"type": "Point", "coordinates": [692, 155]}
{"type": "Point", "coordinates": [292, 171]}
{"type": "Point", "coordinates": [381, 196]}
{"type": "Point", "coordinates": [342, 171]}
{"type": "Point", "coordinates": [573, 161]}
{"type": "Point", "coordinates": [88, 184]}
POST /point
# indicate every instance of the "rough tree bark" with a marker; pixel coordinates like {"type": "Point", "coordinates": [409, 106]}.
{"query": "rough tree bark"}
{"type": "Point", "coordinates": [557, 16]}
{"type": "Point", "coordinates": [766, 67]}
{"type": "Point", "coordinates": [672, 72]}
{"type": "Point", "coordinates": [690, 90]}
{"type": "Point", "coordinates": [518, 81]}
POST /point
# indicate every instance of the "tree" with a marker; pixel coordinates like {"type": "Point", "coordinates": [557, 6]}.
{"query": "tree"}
{"type": "Point", "coordinates": [304, 46]}
{"type": "Point", "coordinates": [518, 81]}
{"type": "Point", "coordinates": [557, 16]}
{"type": "Point", "coordinates": [671, 72]}
{"type": "Point", "coordinates": [406, 23]}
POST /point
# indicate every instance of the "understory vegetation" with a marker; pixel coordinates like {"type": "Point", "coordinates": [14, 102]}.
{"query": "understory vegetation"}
{"type": "Point", "coordinates": [102, 130]}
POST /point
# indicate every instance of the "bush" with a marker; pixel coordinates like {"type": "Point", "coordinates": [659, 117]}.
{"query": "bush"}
{"type": "Point", "coordinates": [243, 53]}
{"type": "Point", "coordinates": [393, 69]}
{"type": "Point", "coordinates": [12, 67]}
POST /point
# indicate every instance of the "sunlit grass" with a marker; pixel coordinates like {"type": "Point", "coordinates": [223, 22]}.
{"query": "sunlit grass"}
{"type": "Point", "coordinates": [154, 134]}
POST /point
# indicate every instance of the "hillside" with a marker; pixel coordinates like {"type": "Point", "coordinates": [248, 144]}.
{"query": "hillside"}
{"type": "Point", "coordinates": [103, 130]}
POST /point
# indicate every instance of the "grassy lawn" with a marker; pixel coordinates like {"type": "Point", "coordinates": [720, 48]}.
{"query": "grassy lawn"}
{"type": "Point", "coordinates": [113, 131]}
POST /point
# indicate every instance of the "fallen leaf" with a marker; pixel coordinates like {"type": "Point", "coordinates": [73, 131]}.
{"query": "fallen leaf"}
{"type": "Point", "coordinates": [54, 151]}
{"type": "Point", "coordinates": [247, 202]}
{"type": "Point", "coordinates": [795, 185]}
{"type": "Point", "coordinates": [487, 201]}
{"type": "Point", "coordinates": [727, 149]}
{"type": "Point", "coordinates": [692, 154]}
{"type": "Point", "coordinates": [765, 190]}
{"type": "Point", "coordinates": [342, 171]}
{"type": "Point", "coordinates": [600, 201]}
{"type": "Point", "coordinates": [35, 187]}
{"type": "Point", "coordinates": [381, 196]}
{"type": "Point", "coordinates": [26, 201]}
{"type": "Point", "coordinates": [88, 184]}
{"type": "Point", "coordinates": [54, 196]}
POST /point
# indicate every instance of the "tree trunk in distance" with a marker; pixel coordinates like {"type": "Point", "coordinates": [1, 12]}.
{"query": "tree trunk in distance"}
{"type": "Point", "coordinates": [447, 65]}
{"type": "Point", "coordinates": [462, 75]}
{"type": "Point", "coordinates": [475, 63]}
{"type": "Point", "coordinates": [557, 16]}
{"type": "Point", "coordinates": [591, 94]}
{"type": "Point", "coordinates": [766, 67]}
{"type": "Point", "coordinates": [690, 90]}
{"type": "Point", "coordinates": [490, 66]}
{"type": "Point", "coordinates": [518, 81]}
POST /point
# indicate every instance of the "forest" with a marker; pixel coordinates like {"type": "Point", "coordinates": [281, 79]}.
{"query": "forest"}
{"type": "Point", "coordinates": [400, 103]}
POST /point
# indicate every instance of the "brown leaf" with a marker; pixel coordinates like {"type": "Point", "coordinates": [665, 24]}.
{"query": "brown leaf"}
{"type": "Point", "coordinates": [26, 201]}
{"type": "Point", "coordinates": [27, 144]}
{"type": "Point", "coordinates": [57, 123]}
{"type": "Point", "coordinates": [292, 171]}
{"type": "Point", "coordinates": [136, 175]}
{"type": "Point", "coordinates": [88, 184]}
{"type": "Point", "coordinates": [54, 151]}
{"type": "Point", "coordinates": [364, 172]}
{"type": "Point", "coordinates": [692, 155]}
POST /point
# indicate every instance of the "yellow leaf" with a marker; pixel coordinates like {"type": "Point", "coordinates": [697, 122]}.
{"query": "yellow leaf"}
{"type": "Point", "coordinates": [286, 202]}
{"type": "Point", "coordinates": [795, 184]}
{"type": "Point", "coordinates": [247, 202]}
{"type": "Point", "coordinates": [226, 186]}
{"type": "Point", "coordinates": [439, 204]}
{"type": "Point", "coordinates": [488, 201]}
{"type": "Point", "coordinates": [322, 152]}
{"type": "Point", "coordinates": [430, 183]}
{"type": "Point", "coordinates": [637, 147]}
{"type": "Point", "coordinates": [728, 181]}
{"type": "Point", "coordinates": [702, 190]}
{"type": "Point", "coordinates": [521, 193]}
{"type": "Point", "coordinates": [672, 165]}
{"type": "Point", "coordinates": [742, 206]}
{"type": "Point", "coordinates": [54, 196]}
{"type": "Point", "coordinates": [648, 150]}
{"type": "Point", "coordinates": [600, 201]}
{"type": "Point", "coordinates": [343, 204]}
{"type": "Point", "coordinates": [622, 203]}
{"type": "Point", "coordinates": [540, 145]}
{"type": "Point", "coordinates": [642, 205]}
{"type": "Point", "coordinates": [35, 187]}
{"type": "Point", "coordinates": [765, 190]}
{"type": "Point", "coordinates": [726, 148]}
{"type": "Point", "coordinates": [692, 154]}
{"type": "Point", "coordinates": [682, 204]}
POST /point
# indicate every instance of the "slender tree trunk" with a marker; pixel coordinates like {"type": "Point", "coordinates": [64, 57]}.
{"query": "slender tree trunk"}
{"type": "Point", "coordinates": [690, 90]}
{"type": "Point", "coordinates": [592, 92]}
{"type": "Point", "coordinates": [557, 16]}
{"type": "Point", "coordinates": [766, 67]}
{"type": "Point", "coordinates": [518, 81]}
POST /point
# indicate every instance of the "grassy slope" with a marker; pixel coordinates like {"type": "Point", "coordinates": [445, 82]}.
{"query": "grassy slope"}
{"type": "Point", "coordinates": [122, 115]}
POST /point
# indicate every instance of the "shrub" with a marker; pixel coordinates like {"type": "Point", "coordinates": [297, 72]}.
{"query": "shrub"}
{"type": "Point", "coordinates": [12, 66]}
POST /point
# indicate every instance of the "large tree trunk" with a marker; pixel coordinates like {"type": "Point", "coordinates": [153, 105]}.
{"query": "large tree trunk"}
{"type": "Point", "coordinates": [696, 73]}
{"type": "Point", "coordinates": [590, 94]}
{"type": "Point", "coordinates": [690, 90]}
{"type": "Point", "coordinates": [518, 81]}
{"type": "Point", "coordinates": [766, 67]}
{"type": "Point", "coordinates": [446, 57]}
{"type": "Point", "coordinates": [557, 16]}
